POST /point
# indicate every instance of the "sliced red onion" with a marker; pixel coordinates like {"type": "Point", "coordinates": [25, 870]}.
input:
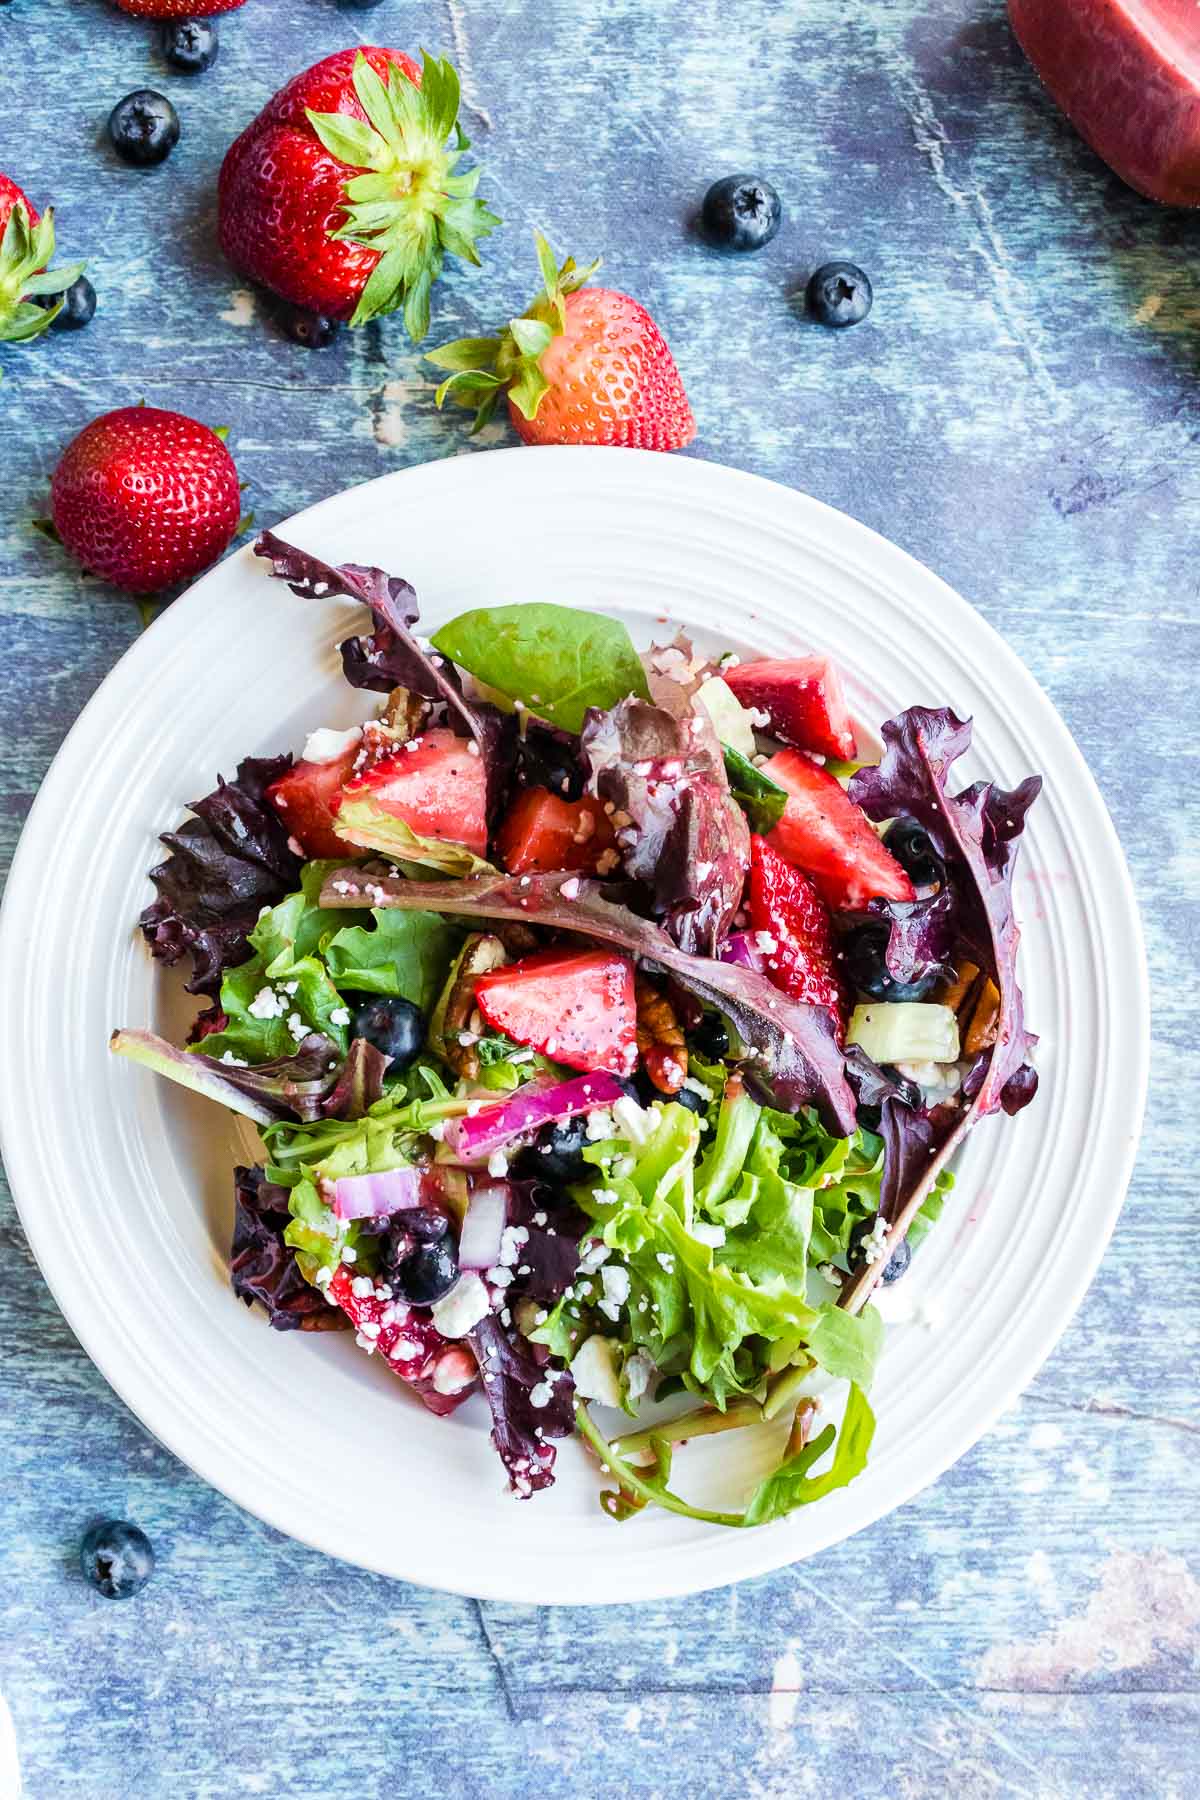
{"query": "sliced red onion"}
{"type": "Point", "coordinates": [483, 1227]}
{"type": "Point", "coordinates": [739, 947]}
{"type": "Point", "coordinates": [476, 1138]}
{"type": "Point", "coordinates": [376, 1196]}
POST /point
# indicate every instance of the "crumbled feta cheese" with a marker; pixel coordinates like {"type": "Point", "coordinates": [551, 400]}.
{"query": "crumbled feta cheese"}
{"type": "Point", "coordinates": [462, 1308]}
{"type": "Point", "coordinates": [634, 1122]}
{"type": "Point", "coordinates": [599, 1125]}
{"type": "Point", "coordinates": [361, 1286]}
{"type": "Point", "coordinates": [437, 1130]}
{"type": "Point", "coordinates": [500, 1277]}
{"type": "Point", "coordinates": [234, 1062]}
{"type": "Point", "coordinates": [541, 1394]}
{"type": "Point", "coordinates": [497, 1164]}
{"type": "Point", "coordinates": [639, 1373]}
{"type": "Point", "coordinates": [666, 1261]}
{"type": "Point", "coordinates": [340, 1015]}
{"type": "Point", "coordinates": [570, 889]}
{"type": "Point", "coordinates": [296, 1026]}
{"type": "Point", "coordinates": [267, 1004]}
{"type": "Point", "coordinates": [594, 1254]}
{"type": "Point", "coordinates": [766, 942]}
{"type": "Point", "coordinates": [326, 745]}
{"type": "Point", "coordinates": [344, 887]}
{"type": "Point", "coordinates": [349, 1256]}
{"type": "Point", "coordinates": [511, 1240]}
{"type": "Point", "coordinates": [615, 1282]}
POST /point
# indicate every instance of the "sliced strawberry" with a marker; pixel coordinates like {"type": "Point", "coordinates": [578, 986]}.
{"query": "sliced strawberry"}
{"type": "Point", "coordinates": [440, 1370]}
{"type": "Point", "coordinates": [803, 699]}
{"type": "Point", "coordinates": [576, 1006]}
{"type": "Point", "coordinates": [543, 831]}
{"type": "Point", "coordinates": [792, 930]}
{"type": "Point", "coordinates": [306, 799]}
{"type": "Point", "coordinates": [831, 839]}
{"type": "Point", "coordinates": [436, 785]}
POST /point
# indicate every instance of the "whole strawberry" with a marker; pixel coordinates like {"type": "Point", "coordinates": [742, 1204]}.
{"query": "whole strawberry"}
{"type": "Point", "coordinates": [26, 246]}
{"type": "Point", "coordinates": [581, 366]}
{"type": "Point", "coordinates": [145, 498]}
{"type": "Point", "coordinates": [342, 197]}
{"type": "Point", "coordinates": [178, 9]}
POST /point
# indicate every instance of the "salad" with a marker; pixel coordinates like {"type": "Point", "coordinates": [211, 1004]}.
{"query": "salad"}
{"type": "Point", "coordinates": [608, 1024]}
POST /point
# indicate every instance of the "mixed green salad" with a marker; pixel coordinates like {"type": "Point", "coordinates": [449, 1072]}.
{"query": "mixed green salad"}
{"type": "Point", "coordinates": [608, 1025]}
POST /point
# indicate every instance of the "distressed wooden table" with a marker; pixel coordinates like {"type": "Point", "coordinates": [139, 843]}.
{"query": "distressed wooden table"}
{"type": "Point", "coordinates": [1020, 412]}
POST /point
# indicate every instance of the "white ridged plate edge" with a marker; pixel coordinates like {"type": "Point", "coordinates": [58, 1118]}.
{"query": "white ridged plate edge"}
{"type": "Point", "coordinates": [122, 1182]}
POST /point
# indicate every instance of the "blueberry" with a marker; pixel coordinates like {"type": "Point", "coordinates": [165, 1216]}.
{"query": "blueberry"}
{"type": "Point", "coordinates": [314, 330]}
{"type": "Point", "coordinates": [548, 759]}
{"type": "Point", "coordinates": [556, 1155]}
{"type": "Point", "coordinates": [688, 1097]}
{"type": "Point", "coordinates": [863, 956]}
{"type": "Point", "coordinates": [741, 212]}
{"type": "Point", "coordinates": [710, 1039]}
{"type": "Point", "coordinates": [912, 847]}
{"type": "Point", "coordinates": [78, 306]}
{"type": "Point", "coordinates": [144, 127]}
{"type": "Point", "coordinates": [395, 1027]}
{"type": "Point", "coordinates": [897, 1262]}
{"type": "Point", "coordinates": [427, 1264]}
{"type": "Point", "coordinates": [116, 1558]}
{"type": "Point", "coordinates": [189, 45]}
{"type": "Point", "coordinates": [839, 294]}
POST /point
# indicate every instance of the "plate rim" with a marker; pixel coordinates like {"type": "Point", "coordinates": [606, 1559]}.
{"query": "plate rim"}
{"type": "Point", "coordinates": [169, 631]}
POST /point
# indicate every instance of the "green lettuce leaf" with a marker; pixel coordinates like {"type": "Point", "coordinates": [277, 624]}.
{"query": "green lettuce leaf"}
{"type": "Point", "coordinates": [555, 660]}
{"type": "Point", "coordinates": [364, 823]}
{"type": "Point", "coordinates": [761, 799]}
{"type": "Point", "coordinates": [405, 954]}
{"type": "Point", "coordinates": [791, 1485]}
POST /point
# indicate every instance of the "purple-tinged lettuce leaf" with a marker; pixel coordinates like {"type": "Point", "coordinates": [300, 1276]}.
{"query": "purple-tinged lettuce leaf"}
{"type": "Point", "coordinates": [263, 1268]}
{"type": "Point", "coordinates": [225, 865]}
{"type": "Point", "coordinates": [511, 1381]}
{"type": "Point", "coordinates": [977, 833]}
{"type": "Point", "coordinates": [360, 1083]}
{"type": "Point", "coordinates": [791, 1055]}
{"type": "Point", "coordinates": [550, 1253]}
{"type": "Point", "coordinates": [290, 1087]}
{"type": "Point", "coordinates": [683, 835]}
{"type": "Point", "coordinates": [923, 934]}
{"type": "Point", "coordinates": [391, 656]}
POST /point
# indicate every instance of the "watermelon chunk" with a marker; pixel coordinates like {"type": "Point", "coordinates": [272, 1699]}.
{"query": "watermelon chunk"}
{"type": "Point", "coordinates": [803, 699]}
{"type": "Point", "coordinates": [436, 786]}
{"type": "Point", "coordinates": [831, 839]}
{"type": "Point", "coordinates": [442, 1372]}
{"type": "Point", "coordinates": [576, 1006]}
{"type": "Point", "coordinates": [543, 832]}
{"type": "Point", "coordinates": [306, 798]}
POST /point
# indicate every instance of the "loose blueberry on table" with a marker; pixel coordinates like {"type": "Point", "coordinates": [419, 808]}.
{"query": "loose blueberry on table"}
{"type": "Point", "coordinates": [116, 1558]}
{"type": "Point", "coordinates": [189, 45]}
{"type": "Point", "coordinates": [143, 128]}
{"type": "Point", "coordinates": [314, 330]}
{"type": "Point", "coordinates": [741, 212]}
{"type": "Point", "coordinates": [839, 294]}
{"type": "Point", "coordinates": [78, 306]}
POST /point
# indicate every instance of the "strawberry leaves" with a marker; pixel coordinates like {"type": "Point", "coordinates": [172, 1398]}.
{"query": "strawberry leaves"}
{"type": "Point", "coordinates": [25, 251]}
{"type": "Point", "coordinates": [481, 369]}
{"type": "Point", "coordinates": [409, 202]}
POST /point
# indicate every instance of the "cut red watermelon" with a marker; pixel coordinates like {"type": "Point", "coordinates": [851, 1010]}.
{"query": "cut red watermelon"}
{"type": "Point", "coordinates": [831, 839]}
{"type": "Point", "coordinates": [576, 1006]}
{"type": "Point", "coordinates": [436, 785]}
{"type": "Point", "coordinates": [306, 799]}
{"type": "Point", "coordinates": [804, 700]}
{"type": "Point", "coordinates": [792, 931]}
{"type": "Point", "coordinates": [543, 832]}
{"type": "Point", "coordinates": [441, 1371]}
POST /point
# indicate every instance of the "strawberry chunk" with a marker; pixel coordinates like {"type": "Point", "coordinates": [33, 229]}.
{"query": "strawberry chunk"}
{"type": "Point", "coordinates": [441, 1371]}
{"type": "Point", "coordinates": [576, 1006]}
{"type": "Point", "coordinates": [542, 832]}
{"type": "Point", "coordinates": [436, 785]}
{"type": "Point", "coordinates": [803, 699]}
{"type": "Point", "coordinates": [831, 839]}
{"type": "Point", "coordinates": [793, 931]}
{"type": "Point", "coordinates": [306, 799]}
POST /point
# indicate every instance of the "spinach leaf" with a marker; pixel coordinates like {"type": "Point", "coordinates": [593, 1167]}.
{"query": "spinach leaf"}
{"type": "Point", "coordinates": [555, 660]}
{"type": "Point", "coordinates": [761, 799]}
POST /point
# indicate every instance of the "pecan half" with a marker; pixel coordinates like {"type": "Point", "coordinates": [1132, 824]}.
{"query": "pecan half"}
{"type": "Point", "coordinates": [659, 1038]}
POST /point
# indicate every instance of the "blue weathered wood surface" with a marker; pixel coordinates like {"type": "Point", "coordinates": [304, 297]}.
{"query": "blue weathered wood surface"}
{"type": "Point", "coordinates": [1020, 413]}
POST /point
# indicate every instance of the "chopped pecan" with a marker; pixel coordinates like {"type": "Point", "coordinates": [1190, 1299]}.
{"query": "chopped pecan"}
{"type": "Point", "coordinates": [981, 1031]}
{"type": "Point", "coordinates": [451, 1027]}
{"type": "Point", "coordinates": [405, 714]}
{"type": "Point", "coordinates": [956, 993]}
{"type": "Point", "coordinates": [659, 1038]}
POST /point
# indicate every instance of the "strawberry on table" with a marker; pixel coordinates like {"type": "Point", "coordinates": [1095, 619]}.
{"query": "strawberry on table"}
{"type": "Point", "coordinates": [581, 366]}
{"type": "Point", "coordinates": [145, 498]}
{"type": "Point", "coordinates": [803, 699]}
{"type": "Point", "coordinates": [831, 839]}
{"type": "Point", "coordinates": [26, 246]}
{"type": "Point", "coordinates": [575, 1006]}
{"type": "Point", "coordinates": [542, 832]}
{"type": "Point", "coordinates": [342, 196]}
{"type": "Point", "coordinates": [792, 931]}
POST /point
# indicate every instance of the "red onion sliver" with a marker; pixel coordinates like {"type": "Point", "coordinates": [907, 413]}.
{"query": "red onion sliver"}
{"type": "Point", "coordinates": [483, 1227]}
{"type": "Point", "coordinates": [376, 1196]}
{"type": "Point", "coordinates": [523, 1114]}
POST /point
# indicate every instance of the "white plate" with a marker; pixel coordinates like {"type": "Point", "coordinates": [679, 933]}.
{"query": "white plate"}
{"type": "Point", "coordinates": [123, 1181]}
